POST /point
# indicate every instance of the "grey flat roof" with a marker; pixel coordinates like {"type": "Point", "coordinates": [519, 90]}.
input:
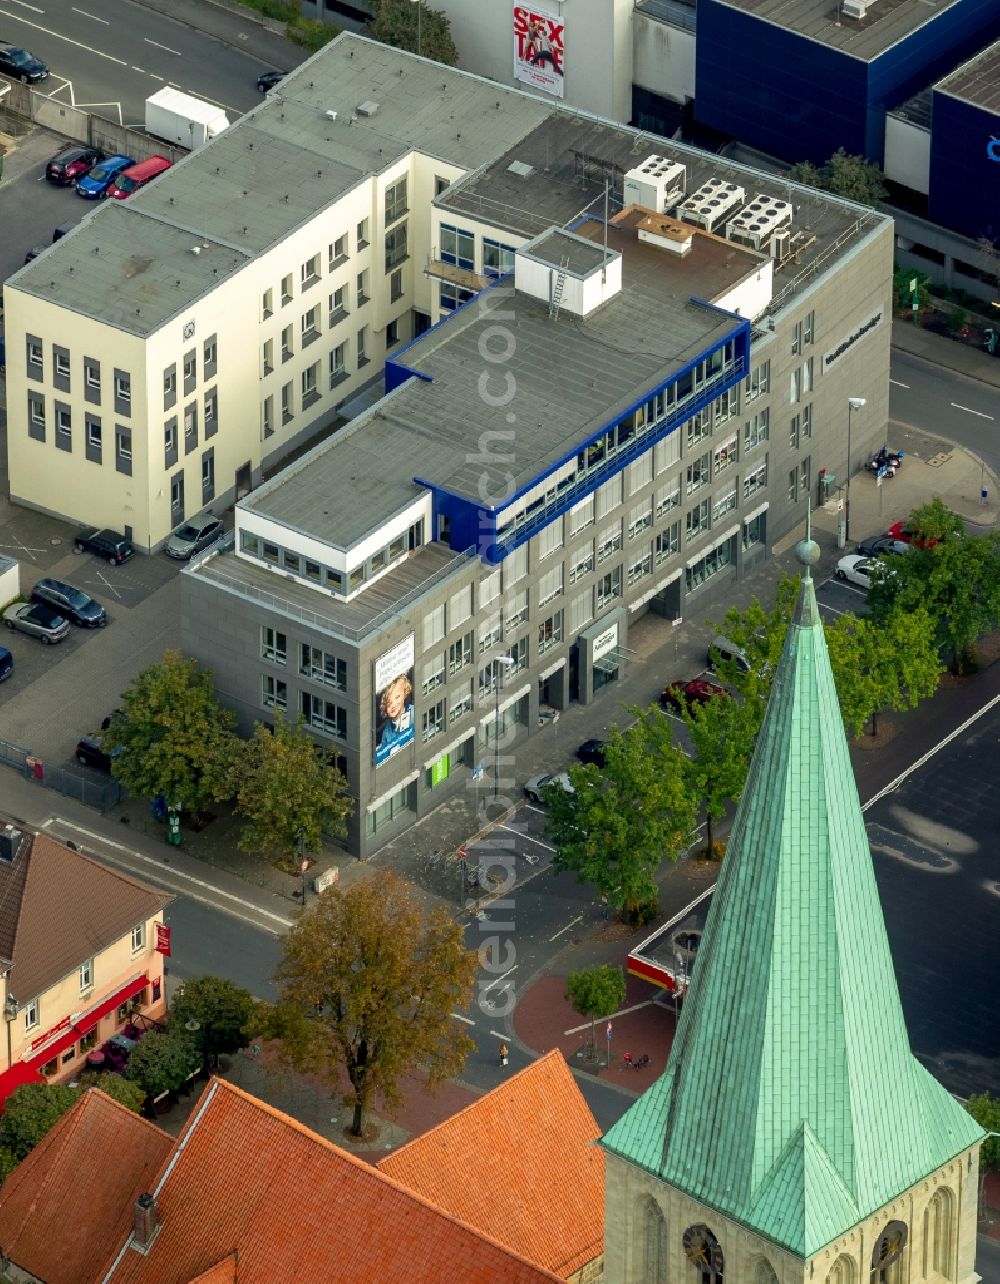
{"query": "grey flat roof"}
{"type": "Point", "coordinates": [886, 22]}
{"type": "Point", "coordinates": [578, 255]}
{"type": "Point", "coordinates": [917, 110]}
{"type": "Point", "coordinates": [272, 171]}
{"type": "Point", "coordinates": [976, 81]}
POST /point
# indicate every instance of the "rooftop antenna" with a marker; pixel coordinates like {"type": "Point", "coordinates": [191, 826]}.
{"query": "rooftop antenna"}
{"type": "Point", "coordinates": [604, 260]}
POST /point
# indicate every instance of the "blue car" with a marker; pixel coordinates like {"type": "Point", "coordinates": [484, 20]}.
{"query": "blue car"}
{"type": "Point", "coordinates": [95, 184]}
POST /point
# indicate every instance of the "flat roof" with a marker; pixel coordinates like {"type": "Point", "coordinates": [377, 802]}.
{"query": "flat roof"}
{"type": "Point", "coordinates": [132, 265]}
{"type": "Point", "coordinates": [976, 81]}
{"type": "Point", "coordinates": [916, 110]}
{"type": "Point", "coordinates": [577, 255]}
{"type": "Point", "coordinates": [886, 22]}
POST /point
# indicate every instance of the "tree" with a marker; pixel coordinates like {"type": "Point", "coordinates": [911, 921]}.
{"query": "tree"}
{"type": "Point", "coordinates": [223, 1011]}
{"type": "Point", "coordinates": [404, 24]}
{"type": "Point", "coordinates": [760, 634]}
{"type": "Point", "coordinates": [889, 665]}
{"type": "Point", "coordinates": [986, 1112]}
{"type": "Point", "coordinates": [288, 793]}
{"type": "Point", "coordinates": [30, 1111]}
{"type": "Point", "coordinates": [722, 734]}
{"type": "Point", "coordinates": [596, 992]}
{"type": "Point", "coordinates": [851, 177]}
{"type": "Point", "coordinates": [368, 986]}
{"type": "Point", "coordinates": [162, 1061]}
{"type": "Point", "coordinates": [623, 820]}
{"type": "Point", "coordinates": [171, 737]}
{"type": "Point", "coordinates": [124, 1091]}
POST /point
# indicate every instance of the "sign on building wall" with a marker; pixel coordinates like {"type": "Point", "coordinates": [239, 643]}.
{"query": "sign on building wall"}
{"type": "Point", "coordinates": [849, 340]}
{"type": "Point", "coordinates": [393, 700]}
{"type": "Point", "coordinates": [605, 642]}
{"type": "Point", "coordinates": [539, 39]}
{"type": "Point", "coordinates": [163, 939]}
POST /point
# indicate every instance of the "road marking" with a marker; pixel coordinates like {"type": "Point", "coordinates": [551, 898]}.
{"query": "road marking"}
{"type": "Point", "coordinates": [465, 1020]}
{"type": "Point", "coordinates": [77, 44]}
{"type": "Point", "coordinates": [969, 411]}
{"type": "Point", "coordinates": [93, 16]}
{"type": "Point", "coordinates": [497, 1035]}
{"type": "Point", "coordinates": [172, 870]}
{"type": "Point", "coordinates": [573, 923]}
{"type": "Point", "coordinates": [528, 806]}
{"type": "Point", "coordinates": [104, 580]}
{"type": "Point", "coordinates": [489, 987]}
{"type": "Point", "coordinates": [613, 1017]}
{"type": "Point", "coordinates": [25, 5]}
{"type": "Point", "coordinates": [530, 837]}
{"type": "Point", "coordinates": [898, 384]}
{"type": "Point", "coordinates": [166, 48]}
{"type": "Point", "coordinates": [825, 606]}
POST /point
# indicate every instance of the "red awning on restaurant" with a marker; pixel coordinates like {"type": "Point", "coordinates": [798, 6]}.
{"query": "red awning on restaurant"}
{"type": "Point", "coordinates": [20, 1073]}
{"type": "Point", "coordinates": [86, 1023]}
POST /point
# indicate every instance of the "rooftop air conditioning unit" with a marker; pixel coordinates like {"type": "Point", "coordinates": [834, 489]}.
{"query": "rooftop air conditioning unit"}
{"type": "Point", "coordinates": [657, 184]}
{"type": "Point", "coordinates": [854, 8]}
{"type": "Point", "coordinates": [367, 108]}
{"type": "Point", "coordinates": [781, 246]}
{"type": "Point", "coordinates": [712, 204]}
{"type": "Point", "coordinates": [755, 225]}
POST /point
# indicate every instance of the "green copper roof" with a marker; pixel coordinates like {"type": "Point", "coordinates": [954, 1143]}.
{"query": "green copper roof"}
{"type": "Point", "coordinates": [791, 1101]}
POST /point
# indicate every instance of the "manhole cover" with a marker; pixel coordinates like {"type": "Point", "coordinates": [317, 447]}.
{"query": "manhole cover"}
{"type": "Point", "coordinates": [55, 541]}
{"type": "Point", "coordinates": [937, 460]}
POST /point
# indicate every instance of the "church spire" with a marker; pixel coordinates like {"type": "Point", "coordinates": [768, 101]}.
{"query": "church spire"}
{"type": "Point", "coordinates": [791, 1101]}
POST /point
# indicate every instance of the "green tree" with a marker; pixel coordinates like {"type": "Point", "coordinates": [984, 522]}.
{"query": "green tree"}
{"type": "Point", "coordinates": [224, 1013]}
{"type": "Point", "coordinates": [722, 734]}
{"type": "Point", "coordinates": [623, 820]}
{"type": "Point", "coordinates": [162, 1061]}
{"type": "Point", "coordinates": [852, 177]}
{"type": "Point", "coordinates": [410, 25]}
{"type": "Point", "coordinates": [986, 1112]}
{"type": "Point", "coordinates": [8, 1162]}
{"type": "Point", "coordinates": [171, 737]}
{"type": "Point", "coordinates": [30, 1111]}
{"type": "Point", "coordinates": [124, 1091]}
{"type": "Point", "coordinates": [596, 992]}
{"type": "Point", "coordinates": [889, 665]}
{"type": "Point", "coordinates": [760, 634]}
{"type": "Point", "coordinates": [367, 986]}
{"type": "Point", "coordinates": [288, 793]}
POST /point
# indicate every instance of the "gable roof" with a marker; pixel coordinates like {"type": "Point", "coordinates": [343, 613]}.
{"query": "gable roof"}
{"type": "Point", "coordinates": [59, 908]}
{"type": "Point", "coordinates": [791, 1100]}
{"type": "Point", "coordinates": [57, 1215]}
{"type": "Point", "coordinates": [248, 1181]}
{"type": "Point", "coordinates": [519, 1164]}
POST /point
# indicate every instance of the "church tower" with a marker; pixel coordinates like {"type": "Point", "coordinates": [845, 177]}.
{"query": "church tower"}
{"type": "Point", "coordinates": [793, 1137]}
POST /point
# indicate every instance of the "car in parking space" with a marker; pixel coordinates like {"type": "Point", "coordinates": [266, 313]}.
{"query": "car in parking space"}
{"type": "Point", "coordinates": [6, 664]}
{"type": "Point", "coordinates": [37, 620]}
{"type": "Point", "coordinates": [192, 537]}
{"type": "Point", "coordinates": [268, 79]}
{"type": "Point", "coordinates": [78, 607]}
{"type": "Point", "coordinates": [90, 754]}
{"type": "Point", "coordinates": [95, 184]}
{"type": "Point", "coordinates": [592, 751]}
{"type": "Point", "coordinates": [136, 176]}
{"type": "Point", "coordinates": [535, 785]}
{"type": "Point", "coordinates": [853, 569]}
{"type": "Point", "coordinates": [114, 548]}
{"type": "Point", "coordinates": [682, 695]}
{"type": "Point", "coordinates": [21, 65]}
{"type": "Point", "coordinates": [879, 545]}
{"type": "Point", "coordinates": [34, 252]}
{"type": "Point", "coordinates": [907, 533]}
{"type": "Point", "coordinates": [72, 163]}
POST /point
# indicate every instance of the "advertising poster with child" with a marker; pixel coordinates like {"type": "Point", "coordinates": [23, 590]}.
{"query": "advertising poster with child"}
{"type": "Point", "coordinates": [393, 700]}
{"type": "Point", "coordinates": [539, 39]}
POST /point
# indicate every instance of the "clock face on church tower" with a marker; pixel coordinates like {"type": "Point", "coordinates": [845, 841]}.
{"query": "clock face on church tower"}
{"type": "Point", "coordinates": [702, 1249]}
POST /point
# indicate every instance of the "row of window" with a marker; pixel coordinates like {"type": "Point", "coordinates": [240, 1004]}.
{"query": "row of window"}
{"type": "Point", "coordinates": [458, 247]}
{"type": "Point", "coordinates": [315, 573]}
{"type": "Point", "coordinates": [310, 272]}
{"type": "Point", "coordinates": [93, 432]}
{"type": "Point", "coordinates": [189, 371]}
{"type": "Point", "coordinates": [210, 412]}
{"type": "Point", "coordinates": [62, 374]}
{"type": "Point", "coordinates": [32, 1009]}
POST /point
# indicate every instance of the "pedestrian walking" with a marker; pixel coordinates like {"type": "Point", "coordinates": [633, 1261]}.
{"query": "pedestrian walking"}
{"type": "Point", "coordinates": [503, 1054]}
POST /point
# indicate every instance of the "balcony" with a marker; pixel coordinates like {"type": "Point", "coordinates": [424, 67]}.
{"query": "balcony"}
{"type": "Point", "coordinates": [453, 274]}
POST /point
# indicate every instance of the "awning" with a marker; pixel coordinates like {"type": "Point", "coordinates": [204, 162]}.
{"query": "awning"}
{"type": "Point", "coordinates": [89, 1020]}
{"type": "Point", "coordinates": [519, 694]}
{"type": "Point", "coordinates": [449, 748]}
{"type": "Point", "coordinates": [19, 1074]}
{"type": "Point", "coordinates": [384, 798]}
{"type": "Point", "coordinates": [553, 668]}
{"type": "Point", "coordinates": [756, 512]}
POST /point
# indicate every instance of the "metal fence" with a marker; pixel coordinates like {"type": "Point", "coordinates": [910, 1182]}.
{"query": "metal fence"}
{"type": "Point", "coordinates": [100, 794]}
{"type": "Point", "coordinates": [14, 756]}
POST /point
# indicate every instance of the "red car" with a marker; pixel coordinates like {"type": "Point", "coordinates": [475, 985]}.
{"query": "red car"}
{"type": "Point", "coordinates": [72, 164]}
{"type": "Point", "coordinates": [907, 534]}
{"type": "Point", "coordinates": [680, 695]}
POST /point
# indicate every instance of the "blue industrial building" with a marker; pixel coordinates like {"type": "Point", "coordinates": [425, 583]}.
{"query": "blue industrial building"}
{"type": "Point", "coordinates": [965, 148]}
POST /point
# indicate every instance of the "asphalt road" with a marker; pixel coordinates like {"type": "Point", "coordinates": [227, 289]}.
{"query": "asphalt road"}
{"type": "Point", "coordinates": [930, 397]}
{"type": "Point", "coordinates": [107, 53]}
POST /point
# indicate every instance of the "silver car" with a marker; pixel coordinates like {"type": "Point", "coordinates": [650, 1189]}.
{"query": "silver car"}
{"type": "Point", "coordinates": [534, 785]}
{"type": "Point", "coordinates": [192, 537]}
{"type": "Point", "coordinates": [38, 619]}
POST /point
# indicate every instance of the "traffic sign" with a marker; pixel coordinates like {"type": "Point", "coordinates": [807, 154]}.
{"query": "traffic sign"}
{"type": "Point", "coordinates": [477, 771]}
{"type": "Point", "coordinates": [609, 1031]}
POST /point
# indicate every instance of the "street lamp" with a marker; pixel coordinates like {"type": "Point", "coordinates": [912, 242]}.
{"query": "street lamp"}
{"type": "Point", "coordinates": [419, 5]}
{"type": "Point", "coordinates": [853, 403]}
{"type": "Point", "coordinates": [502, 664]}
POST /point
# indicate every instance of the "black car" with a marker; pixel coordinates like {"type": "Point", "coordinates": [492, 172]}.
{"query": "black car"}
{"type": "Point", "coordinates": [879, 545]}
{"type": "Point", "coordinates": [71, 164]}
{"type": "Point", "coordinates": [592, 751]}
{"type": "Point", "coordinates": [21, 65]}
{"type": "Point", "coordinates": [114, 548]}
{"type": "Point", "coordinates": [34, 252]}
{"type": "Point", "coordinates": [268, 79]}
{"type": "Point", "coordinates": [90, 754]}
{"type": "Point", "coordinates": [71, 602]}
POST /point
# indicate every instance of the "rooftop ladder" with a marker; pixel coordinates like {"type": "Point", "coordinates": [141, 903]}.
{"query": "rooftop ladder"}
{"type": "Point", "coordinates": [557, 291]}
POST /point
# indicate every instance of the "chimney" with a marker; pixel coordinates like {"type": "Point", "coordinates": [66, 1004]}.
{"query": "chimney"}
{"type": "Point", "coordinates": [144, 1222]}
{"type": "Point", "coordinates": [10, 844]}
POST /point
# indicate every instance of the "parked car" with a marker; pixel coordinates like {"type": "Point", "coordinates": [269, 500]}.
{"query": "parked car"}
{"type": "Point", "coordinates": [592, 751]}
{"type": "Point", "coordinates": [71, 602]}
{"type": "Point", "coordinates": [95, 184]}
{"type": "Point", "coordinates": [136, 176]}
{"type": "Point", "coordinates": [192, 537]}
{"type": "Point", "coordinates": [268, 79]}
{"type": "Point", "coordinates": [72, 163]}
{"type": "Point", "coordinates": [114, 548]}
{"type": "Point", "coordinates": [858, 570]}
{"type": "Point", "coordinates": [908, 534]}
{"type": "Point", "coordinates": [38, 620]}
{"type": "Point", "coordinates": [90, 754]}
{"type": "Point", "coordinates": [6, 664]}
{"type": "Point", "coordinates": [21, 65]}
{"type": "Point", "coordinates": [721, 651]}
{"type": "Point", "coordinates": [879, 545]}
{"type": "Point", "coordinates": [682, 695]}
{"type": "Point", "coordinates": [534, 785]}
{"type": "Point", "coordinates": [34, 252]}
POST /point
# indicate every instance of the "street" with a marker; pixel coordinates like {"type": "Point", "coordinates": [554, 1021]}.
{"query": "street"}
{"type": "Point", "coordinates": [939, 401]}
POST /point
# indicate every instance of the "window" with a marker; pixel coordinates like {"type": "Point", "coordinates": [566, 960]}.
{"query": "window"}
{"type": "Point", "coordinates": [807, 376]}
{"type": "Point", "coordinates": [362, 287]}
{"type": "Point", "coordinates": [461, 703]}
{"type": "Point", "coordinates": [310, 325]}
{"type": "Point", "coordinates": [177, 498]}
{"type": "Point", "coordinates": [640, 473]}
{"type": "Point", "coordinates": [796, 338]}
{"type": "Point", "coordinates": [287, 349]}
{"type": "Point", "coordinates": [310, 385]}
{"type": "Point", "coordinates": [726, 406]}
{"type": "Point", "coordinates": [60, 364]}
{"type": "Point", "coordinates": [337, 304]}
{"type": "Point", "coordinates": [169, 386]}
{"type": "Point", "coordinates": [395, 247]}
{"type": "Point", "coordinates": [395, 200]}
{"type": "Point", "coordinates": [208, 476]}
{"type": "Point", "coordinates": [451, 297]}
{"type": "Point", "coordinates": [725, 456]}
{"type": "Point", "coordinates": [723, 504]}
{"type": "Point", "coordinates": [309, 272]}
{"type": "Point", "coordinates": [392, 334]}
{"type": "Point", "coordinates": [808, 327]}
{"type": "Point", "coordinates": [795, 385]}
{"type": "Point", "coordinates": [515, 612]}
{"type": "Point", "coordinates": [64, 426]}
{"type": "Point", "coordinates": [792, 478]}
{"type": "Point", "coordinates": [441, 185]}
{"type": "Point", "coordinates": [363, 357]}
{"type": "Point", "coordinates": [581, 515]}
{"type": "Point", "coordinates": [337, 253]}
{"type": "Point", "coordinates": [396, 286]}
{"type": "Point", "coordinates": [667, 452]}
{"type": "Point", "coordinates": [324, 715]}
{"type": "Point", "coordinates": [550, 632]}
{"type": "Point", "coordinates": [87, 976]}
{"type": "Point", "coordinates": [515, 566]}
{"type": "Point", "coordinates": [460, 607]}
{"type": "Point", "coordinates": [91, 379]}
{"type": "Point", "coordinates": [286, 289]}
{"type": "Point", "coordinates": [211, 412]}
{"type": "Point", "coordinates": [807, 421]}
{"type": "Point", "coordinates": [518, 653]}
{"type": "Point", "coordinates": [138, 937]}
{"type": "Point", "coordinates": [581, 611]}
{"type": "Point", "coordinates": [432, 721]}
{"type": "Point", "coordinates": [805, 474]}
{"type": "Point", "coordinates": [696, 522]}
{"type": "Point", "coordinates": [36, 416]}
{"type": "Point", "coordinates": [753, 531]}
{"type": "Point", "coordinates": [266, 304]}
{"type": "Point", "coordinates": [460, 653]}
{"type": "Point", "coordinates": [491, 632]}
{"type": "Point", "coordinates": [489, 588]}
{"type": "Point", "coordinates": [273, 645]}
{"type": "Point", "coordinates": [640, 518]}
{"type": "Point", "coordinates": [698, 427]}
{"type": "Point", "coordinates": [756, 430]}
{"type": "Point", "coordinates": [31, 1018]}
{"type": "Point", "coordinates": [433, 674]}
{"type": "Point", "coordinates": [550, 538]}
{"type": "Point", "coordinates": [642, 567]}
{"type": "Point", "coordinates": [267, 356]}
{"type": "Point", "coordinates": [362, 232]}
{"type": "Point", "coordinates": [33, 354]}
{"type": "Point", "coordinates": [267, 417]}
{"type": "Point", "coordinates": [209, 357]}
{"type": "Point", "coordinates": [550, 585]}
{"type": "Point", "coordinates": [714, 561]}
{"type": "Point", "coordinates": [287, 405]}
{"type": "Point", "coordinates": [609, 541]}
{"type": "Point", "coordinates": [338, 364]}
{"type": "Point", "coordinates": [609, 587]}
{"type": "Point", "coordinates": [581, 562]}
{"type": "Point", "coordinates": [699, 473]}
{"type": "Point", "coordinates": [668, 542]}
{"type": "Point", "coordinates": [755, 480]}
{"type": "Point", "coordinates": [667, 498]}
{"type": "Point", "coordinates": [793, 431]}
{"type": "Point", "coordinates": [93, 440]}
{"type": "Point", "coordinates": [498, 259]}
{"type": "Point", "coordinates": [190, 371]}
{"type": "Point", "coordinates": [190, 426]}
{"type": "Point", "coordinates": [757, 382]}
{"type": "Point", "coordinates": [433, 627]}
{"type": "Point", "coordinates": [458, 247]}
{"type": "Point", "coordinates": [123, 449]}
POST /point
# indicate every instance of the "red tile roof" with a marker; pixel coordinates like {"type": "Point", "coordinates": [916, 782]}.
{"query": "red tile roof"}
{"type": "Point", "coordinates": [248, 1181]}
{"type": "Point", "coordinates": [73, 1195]}
{"type": "Point", "coordinates": [520, 1165]}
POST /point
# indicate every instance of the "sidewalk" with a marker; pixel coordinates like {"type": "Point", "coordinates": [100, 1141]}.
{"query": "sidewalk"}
{"type": "Point", "coordinates": [234, 24]}
{"type": "Point", "coordinates": [963, 358]}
